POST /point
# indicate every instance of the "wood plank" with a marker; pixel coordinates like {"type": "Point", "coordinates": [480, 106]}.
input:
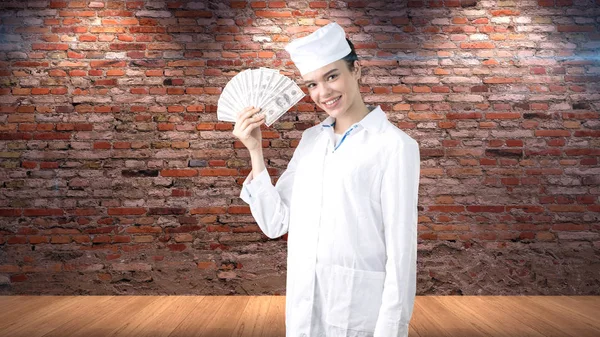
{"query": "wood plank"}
{"type": "Point", "coordinates": [253, 319]}
{"type": "Point", "coordinates": [275, 319]}
{"type": "Point", "coordinates": [99, 323]}
{"type": "Point", "coordinates": [499, 317]}
{"type": "Point", "coordinates": [417, 322]}
{"type": "Point", "coordinates": [480, 323]}
{"type": "Point", "coordinates": [67, 314]}
{"type": "Point", "coordinates": [9, 301]}
{"type": "Point", "coordinates": [160, 317]}
{"type": "Point", "coordinates": [441, 322]}
{"type": "Point", "coordinates": [527, 316]}
{"type": "Point", "coordinates": [74, 322]}
{"type": "Point", "coordinates": [412, 332]}
{"type": "Point", "coordinates": [41, 321]}
{"type": "Point", "coordinates": [588, 311]}
{"type": "Point", "coordinates": [224, 322]}
{"type": "Point", "coordinates": [591, 300]}
{"type": "Point", "coordinates": [26, 306]}
{"type": "Point", "coordinates": [196, 321]}
{"type": "Point", "coordinates": [564, 321]}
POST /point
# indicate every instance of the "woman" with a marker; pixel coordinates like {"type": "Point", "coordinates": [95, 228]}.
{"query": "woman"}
{"type": "Point", "coordinates": [348, 201]}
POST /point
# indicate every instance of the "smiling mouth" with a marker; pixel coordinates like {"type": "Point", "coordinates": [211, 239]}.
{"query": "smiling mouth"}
{"type": "Point", "coordinates": [332, 102]}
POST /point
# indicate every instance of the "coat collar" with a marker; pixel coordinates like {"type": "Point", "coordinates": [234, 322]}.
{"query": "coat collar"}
{"type": "Point", "coordinates": [372, 122]}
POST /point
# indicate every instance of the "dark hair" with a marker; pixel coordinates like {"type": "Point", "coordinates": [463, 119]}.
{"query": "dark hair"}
{"type": "Point", "coordinates": [351, 57]}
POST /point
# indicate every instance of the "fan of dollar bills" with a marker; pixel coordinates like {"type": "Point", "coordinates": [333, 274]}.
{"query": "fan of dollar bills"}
{"type": "Point", "coordinates": [262, 88]}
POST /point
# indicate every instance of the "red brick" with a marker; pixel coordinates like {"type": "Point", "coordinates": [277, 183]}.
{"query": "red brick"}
{"type": "Point", "coordinates": [101, 239]}
{"type": "Point", "coordinates": [552, 133]}
{"type": "Point", "coordinates": [504, 12]}
{"type": "Point", "coordinates": [485, 209]}
{"type": "Point", "coordinates": [587, 133]}
{"type": "Point", "coordinates": [107, 63]}
{"type": "Point", "coordinates": [477, 45]}
{"type": "Point", "coordinates": [57, 73]}
{"type": "Point", "coordinates": [42, 212]}
{"type": "Point", "coordinates": [500, 80]}
{"type": "Point", "coordinates": [447, 208]}
{"type": "Point", "coordinates": [40, 91]}
{"type": "Point", "coordinates": [178, 173]}
{"type": "Point", "coordinates": [218, 172]}
{"type": "Point", "coordinates": [17, 240]}
{"type": "Point", "coordinates": [102, 145]}
{"type": "Point", "coordinates": [48, 165]}
{"type": "Point", "coordinates": [317, 4]}
{"type": "Point", "coordinates": [258, 4]}
{"type": "Point", "coordinates": [143, 230]}
{"type": "Point", "coordinates": [49, 46]}
{"type": "Point", "coordinates": [238, 4]}
{"type": "Point", "coordinates": [503, 115]}
{"type": "Point", "coordinates": [463, 115]}
{"type": "Point", "coordinates": [10, 212]}
{"type": "Point", "coordinates": [421, 89]}
{"type": "Point", "coordinates": [77, 13]}
{"type": "Point", "coordinates": [60, 239]}
{"type": "Point", "coordinates": [581, 79]}
{"type": "Point", "coordinates": [273, 14]}
{"type": "Point", "coordinates": [206, 265]}
{"type": "Point", "coordinates": [218, 228]}
{"type": "Point", "coordinates": [177, 247]}
{"type": "Point", "coordinates": [18, 278]}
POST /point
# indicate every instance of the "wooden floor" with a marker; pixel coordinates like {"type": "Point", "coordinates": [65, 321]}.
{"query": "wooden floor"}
{"type": "Point", "coordinates": [215, 316]}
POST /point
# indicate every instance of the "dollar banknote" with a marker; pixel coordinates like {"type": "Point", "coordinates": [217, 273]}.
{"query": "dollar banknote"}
{"type": "Point", "coordinates": [263, 88]}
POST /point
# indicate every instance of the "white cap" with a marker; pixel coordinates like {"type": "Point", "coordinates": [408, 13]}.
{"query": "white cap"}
{"type": "Point", "coordinates": [322, 47]}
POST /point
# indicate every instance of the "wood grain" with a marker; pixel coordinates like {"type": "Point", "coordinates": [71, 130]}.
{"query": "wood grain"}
{"type": "Point", "coordinates": [264, 316]}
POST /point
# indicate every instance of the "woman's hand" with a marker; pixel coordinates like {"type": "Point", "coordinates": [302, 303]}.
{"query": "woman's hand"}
{"type": "Point", "coordinates": [247, 128]}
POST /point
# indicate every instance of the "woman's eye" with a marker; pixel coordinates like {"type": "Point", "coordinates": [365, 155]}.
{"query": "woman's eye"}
{"type": "Point", "coordinates": [332, 76]}
{"type": "Point", "coordinates": [310, 85]}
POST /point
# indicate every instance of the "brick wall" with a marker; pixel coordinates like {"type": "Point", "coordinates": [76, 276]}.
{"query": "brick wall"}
{"type": "Point", "coordinates": [116, 177]}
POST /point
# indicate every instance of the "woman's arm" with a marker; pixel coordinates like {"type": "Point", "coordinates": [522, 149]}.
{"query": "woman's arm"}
{"type": "Point", "coordinates": [270, 205]}
{"type": "Point", "coordinates": [258, 161]}
{"type": "Point", "coordinates": [399, 198]}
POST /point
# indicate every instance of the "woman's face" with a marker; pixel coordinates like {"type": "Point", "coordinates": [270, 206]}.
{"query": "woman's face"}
{"type": "Point", "coordinates": [334, 88]}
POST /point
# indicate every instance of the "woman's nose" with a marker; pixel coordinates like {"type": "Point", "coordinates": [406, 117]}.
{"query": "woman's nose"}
{"type": "Point", "coordinates": [325, 91]}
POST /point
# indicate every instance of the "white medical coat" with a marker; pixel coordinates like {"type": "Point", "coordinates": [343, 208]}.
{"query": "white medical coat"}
{"type": "Point", "coordinates": [350, 212]}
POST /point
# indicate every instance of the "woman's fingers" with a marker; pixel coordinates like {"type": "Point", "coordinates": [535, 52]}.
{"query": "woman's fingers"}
{"type": "Point", "coordinates": [246, 124]}
{"type": "Point", "coordinates": [252, 114]}
{"type": "Point", "coordinates": [248, 111]}
{"type": "Point", "coordinates": [245, 128]}
{"type": "Point", "coordinates": [246, 117]}
{"type": "Point", "coordinates": [241, 115]}
{"type": "Point", "coordinates": [254, 122]}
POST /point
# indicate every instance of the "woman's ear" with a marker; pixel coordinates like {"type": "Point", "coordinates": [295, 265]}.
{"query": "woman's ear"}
{"type": "Point", "coordinates": [357, 70]}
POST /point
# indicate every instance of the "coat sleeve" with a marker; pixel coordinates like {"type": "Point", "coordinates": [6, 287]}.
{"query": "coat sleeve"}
{"type": "Point", "coordinates": [270, 205]}
{"type": "Point", "coordinates": [399, 198]}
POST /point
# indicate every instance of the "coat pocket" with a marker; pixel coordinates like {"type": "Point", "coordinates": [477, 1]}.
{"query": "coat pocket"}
{"type": "Point", "coordinates": [354, 298]}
